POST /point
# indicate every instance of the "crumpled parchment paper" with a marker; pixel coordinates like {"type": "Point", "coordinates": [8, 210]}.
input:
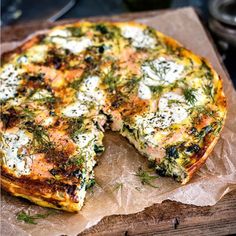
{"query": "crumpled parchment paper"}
{"type": "Point", "coordinates": [118, 190]}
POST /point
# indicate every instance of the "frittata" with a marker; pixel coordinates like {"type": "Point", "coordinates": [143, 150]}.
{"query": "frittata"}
{"type": "Point", "coordinates": [61, 90]}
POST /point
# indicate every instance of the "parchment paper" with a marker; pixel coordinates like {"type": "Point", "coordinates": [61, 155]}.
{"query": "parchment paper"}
{"type": "Point", "coordinates": [120, 161]}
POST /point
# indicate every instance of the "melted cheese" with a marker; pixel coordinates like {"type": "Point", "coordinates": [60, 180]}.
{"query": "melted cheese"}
{"type": "Point", "coordinates": [60, 32]}
{"type": "Point", "coordinates": [16, 157]}
{"type": "Point", "coordinates": [76, 109]}
{"type": "Point", "coordinates": [144, 91]}
{"type": "Point", "coordinates": [139, 38]}
{"type": "Point", "coordinates": [172, 110]}
{"type": "Point", "coordinates": [75, 45]}
{"type": "Point", "coordinates": [89, 96]}
{"type": "Point", "coordinates": [9, 81]}
{"type": "Point", "coordinates": [37, 53]}
{"type": "Point", "coordinates": [161, 72]}
{"type": "Point", "coordinates": [41, 94]}
{"type": "Point", "coordinates": [90, 91]}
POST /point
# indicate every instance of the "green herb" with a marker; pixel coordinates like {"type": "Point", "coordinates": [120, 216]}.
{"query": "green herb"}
{"type": "Point", "coordinates": [172, 152]}
{"type": "Point", "coordinates": [101, 28]}
{"type": "Point", "coordinates": [118, 186]}
{"type": "Point", "coordinates": [41, 140]}
{"type": "Point", "coordinates": [156, 89]}
{"type": "Point", "coordinates": [173, 101]}
{"type": "Point", "coordinates": [217, 127]}
{"type": "Point", "coordinates": [27, 114]}
{"type": "Point", "coordinates": [146, 178]}
{"type": "Point", "coordinates": [98, 149]}
{"type": "Point", "coordinates": [30, 219]}
{"type": "Point", "coordinates": [206, 130]}
{"type": "Point", "coordinates": [75, 31]}
{"type": "Point", "coordinates": [111, 80]}
{"type": "Point", "coordinates": [209, 91]}
{"type": "Point", "coordinates": [189, 95]}
{"type": "Point", "coordinates": [206, 70]}
{"type": "Point", "coordinates": [74, 126]}
{"type": "Point", "coordinates": [132, 83]}
{"type": "Point", "coordinates": [90, 183]}
{"type": "Point", "coordinates": [162, 70]}
{"type": "Point", "coordinates": [76, 84]}
{"type": "Point", "coordinates": [76, 160]}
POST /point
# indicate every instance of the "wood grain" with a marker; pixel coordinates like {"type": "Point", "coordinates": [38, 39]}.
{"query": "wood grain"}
{"type": "Point", "coordinates": [173, 218]}
{"type": "Point", "coordinates": [168, 218]}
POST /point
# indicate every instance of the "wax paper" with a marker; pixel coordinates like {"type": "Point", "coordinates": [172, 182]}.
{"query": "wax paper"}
{"type": "Point", "coordinates": [118, 190]}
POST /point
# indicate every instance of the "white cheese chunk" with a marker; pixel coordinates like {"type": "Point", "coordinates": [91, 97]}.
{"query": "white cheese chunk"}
{"type": "Point", "coordinates": [173, 109]}
{"type": "Point", "coordinates": [16, 157]}
{"type": "Point", "coordinates": [90, 91]}
{"type": "Point", "coordinates": [48, 121]}
{"type": "Point", "coordinates": [83, 139]}
{"type": "Point", "coordinates": [200, 97]}
{"type": "Point", "coordinates": [76, 109]}
{"type": "Point", "coordinates": [144, 91]}
{"type": "Point", "coordinates": [60, 32]}
{"type": "Point", "coordinates": [75, 45]}
{"type": "Point", "coordinates": [9, 82]}
{"type": "Point", "coordinates": [41, 94]}
{"type": "Point", "coordinates": [88, 95]}
{"type": "Point", "coordinates": [161, 72]}
{"type": "Point", "coordinates": [139, 38]}
{"type": "Point", "coordinates": [37, 53]}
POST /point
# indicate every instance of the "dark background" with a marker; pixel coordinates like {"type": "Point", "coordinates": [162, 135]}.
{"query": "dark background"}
{"type": "Point", "coordinates": [20, 11]}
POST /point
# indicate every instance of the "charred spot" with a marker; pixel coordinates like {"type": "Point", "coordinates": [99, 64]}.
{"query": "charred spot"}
{"type": "Point", "coordinates": [161, 172]}
{"type": "Point", "coordinates": [128, 128]}
{"type": "Point", "coordinates": [9, 118]}
{"type": "Point", "coordinates": [41, 37]}
{"type": "Point", "coordinates": [70, 189]}
{"type": "Point", "coordinates": [77, 174]}
{"type": "Point", "coordinates": [57, 123]}
{"type": "Point", "coordinates": [29, 123]}
{"type": "Point", "coordinates": [194, 148]}
{"type": "Point", "coordinates": [151, 164]}
{"type": "Point", "coordinates": [206, 130]}
{"type": "Point", "coordinates": [54, 172]}
{"type": "Point", "coordinates": [172, 152]}
{"type": "Point", "coordinates": [101, 49]}
{"type": "Point", "coordinates": [193, 131]}
{"type": "Point", "coordinates": [22, 90]}
{"type": "Point", "coordinates": [52, 113]}
{"type": "Point", "coordinates": [57, 62]}
{"type": "Point", "coordinates": [90, 184]}
{"type": "Point", "coordinates": [98, 149]}
{"type": "Point", "coordinates": [33, 78]}
{"type": "Point", "coordinates": [88, 59]}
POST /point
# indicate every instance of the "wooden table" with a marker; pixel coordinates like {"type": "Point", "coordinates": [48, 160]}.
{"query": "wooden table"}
{"type": "Point", "coordinates": [168, 218]}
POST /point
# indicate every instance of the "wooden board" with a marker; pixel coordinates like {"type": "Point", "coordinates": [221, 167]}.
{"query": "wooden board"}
{"type": "Point", "coordinates": [168, 218]}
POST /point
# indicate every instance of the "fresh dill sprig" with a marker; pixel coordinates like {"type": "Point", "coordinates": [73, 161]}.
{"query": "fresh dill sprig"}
{"type": "Point", "coordinates": [209, 91]}
{"type": "Point", "coordinates": [163, 69]}
{"type": "Point", "coordinates": [41, 139]}
{"type": "Point", "coordinates": [30, 219]}
{"type": "Point", "coordinates": [157, 89]}
{"type": "Point", "coordinates": [146, 178]}
{"type": "Point", "coordinates": [189, 95]}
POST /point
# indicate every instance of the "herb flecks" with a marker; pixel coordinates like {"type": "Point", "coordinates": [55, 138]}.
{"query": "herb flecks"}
{"type": "Point", "coordinates": [190, 96]}
{"type": "Point", "coordinates": [41, 140]}
{"type": "Point", "coordinates": [146, 178]}
{"type": "Point", "coordinates": [209, 91]}
{"type": "Point", "coordinates": [90, 184]}
{"type": "Point", "coordinates": [30, 219]}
